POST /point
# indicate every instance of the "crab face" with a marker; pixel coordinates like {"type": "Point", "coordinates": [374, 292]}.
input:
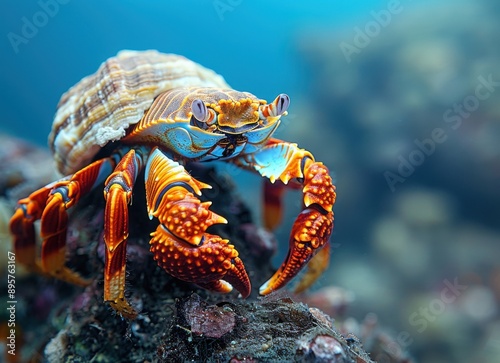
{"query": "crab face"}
{"type": "Point", "coordinates": [244, 120]}
{"type": "Point", "coordinates": [162, 111]}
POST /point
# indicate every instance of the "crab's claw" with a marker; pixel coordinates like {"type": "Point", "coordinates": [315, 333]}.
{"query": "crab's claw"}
{"type": "Point", "coordinates": [180, 244]}
{"type": "Point", "coordinates": [286, 165]}
{"type": "Point", "coordinates": [213, 265]}
{"type": "Point", "coordinates": [310, 232]}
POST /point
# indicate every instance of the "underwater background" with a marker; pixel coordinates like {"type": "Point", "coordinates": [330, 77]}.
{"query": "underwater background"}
{"type": "Point", "coordinates": [400, 99]}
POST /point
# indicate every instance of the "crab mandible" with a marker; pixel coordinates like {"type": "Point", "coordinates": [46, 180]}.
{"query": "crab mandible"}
{"type": "Point", "coordinates": [164, 110]}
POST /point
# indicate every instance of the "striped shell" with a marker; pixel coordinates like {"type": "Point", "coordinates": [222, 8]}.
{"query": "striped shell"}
{"type": "Point", "coordinates": [100, 107]}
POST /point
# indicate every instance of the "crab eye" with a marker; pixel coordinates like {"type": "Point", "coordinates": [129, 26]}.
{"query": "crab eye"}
{"type": "Point", "coordinates": [282, 102]}
{"type": "Point", "coordinates": [199, 110]}
{"type": "Point", "coordinates": [202, 116]}
{"type": "Point", "coordinates": [276, 108]}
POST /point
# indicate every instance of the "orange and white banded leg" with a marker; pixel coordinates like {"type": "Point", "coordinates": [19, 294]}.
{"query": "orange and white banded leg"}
{"type": "Point", "coordinates": [50, 204]}
{"type": "Point", "coordinates": [286, 163]}
{"type": "Point", "coordinates": [180, 244]}
{"type": "Point", "coordinates": [118, 194]}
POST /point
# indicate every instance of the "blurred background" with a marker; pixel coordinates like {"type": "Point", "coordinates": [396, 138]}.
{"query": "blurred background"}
{"type": "Point", "coordinates": [400, 99]}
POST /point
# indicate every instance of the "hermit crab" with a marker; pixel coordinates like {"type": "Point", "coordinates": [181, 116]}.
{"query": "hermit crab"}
{"type": "Point", "coordinates": [153, 112]}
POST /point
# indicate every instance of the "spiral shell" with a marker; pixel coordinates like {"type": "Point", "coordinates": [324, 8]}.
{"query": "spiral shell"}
{"type": "Point", "coordinates": [100, 107]}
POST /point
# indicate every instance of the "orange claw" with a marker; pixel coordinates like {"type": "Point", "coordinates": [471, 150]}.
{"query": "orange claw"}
{"type": "Point", "coordinates": [284, 162]}
{"type": "Point", "coordinates": [213, 265]}
{"type": "Point", "coordinates": [311, 230]}
{"type": "Point", "coordinates": [180, 244]}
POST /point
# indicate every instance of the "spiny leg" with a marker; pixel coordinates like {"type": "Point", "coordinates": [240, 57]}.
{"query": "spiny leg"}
{"type": "Point", "coordinates": [286, 163]}
{"type": "Point", "coordinates": [118, 194]}
{"type": "Point", "coordinates": [180, 244]}
{"type": "Point", "coordinates": [50, 204]}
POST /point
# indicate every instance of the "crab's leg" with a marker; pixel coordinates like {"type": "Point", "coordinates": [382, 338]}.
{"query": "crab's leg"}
{"type": "Point", "coordinates": [286, 163]}
{"type": "Point", "coordinates": [50, 204]}
{"type": "Point", "coordinates": [180, 244]}
{"type": "Point", "coordinates": [118, 194]}
{"type": "Point", "coordinates": [22, 227]}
